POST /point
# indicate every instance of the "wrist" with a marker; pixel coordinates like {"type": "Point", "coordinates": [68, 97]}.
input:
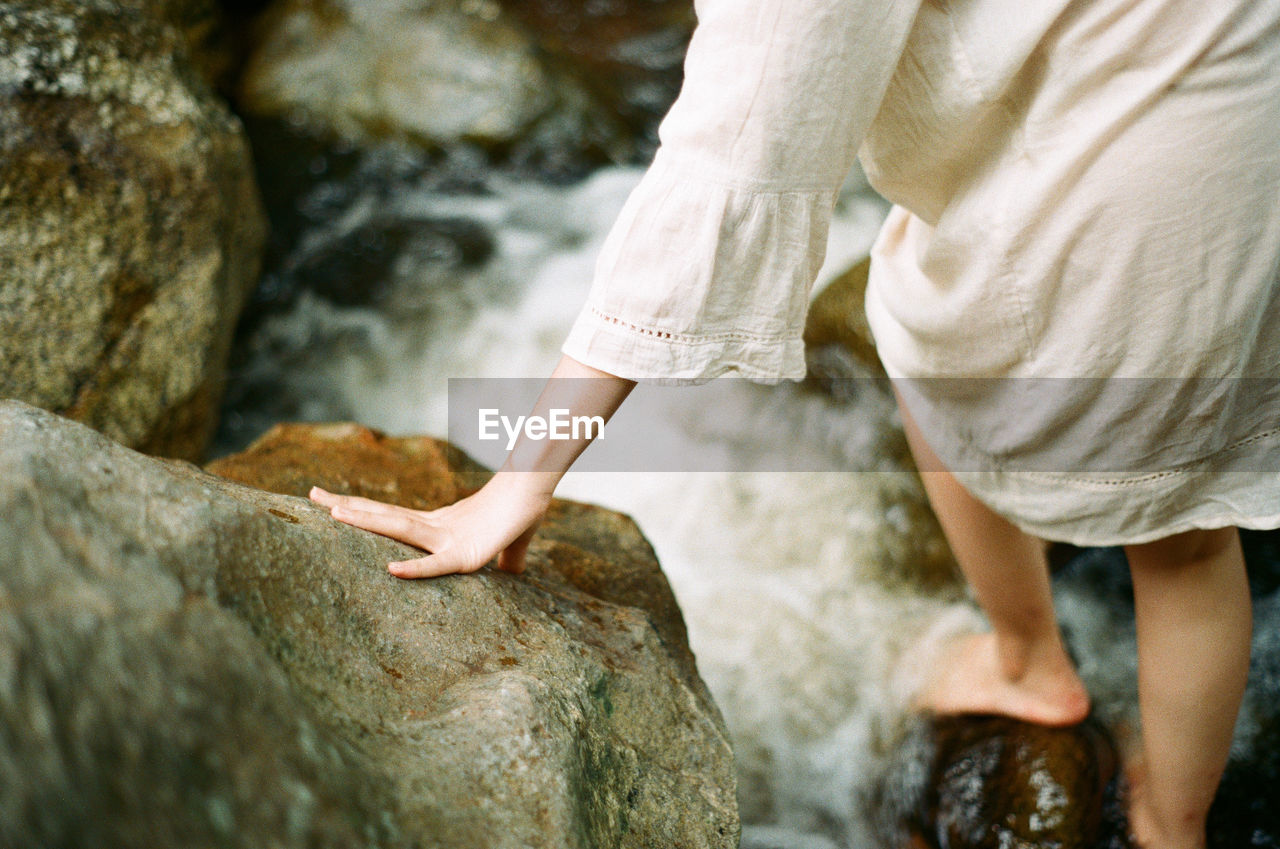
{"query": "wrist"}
{"type": "Point", "coordinates": [539, 485]}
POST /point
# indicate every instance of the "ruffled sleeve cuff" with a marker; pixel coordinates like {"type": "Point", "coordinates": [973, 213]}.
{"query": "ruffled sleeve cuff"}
{"type": "Point", "coordinates": [618, 347]}
{"type": "Point", "coordinates": [702, 277]}
{"type": "Point", "coordinates": [708, 268]}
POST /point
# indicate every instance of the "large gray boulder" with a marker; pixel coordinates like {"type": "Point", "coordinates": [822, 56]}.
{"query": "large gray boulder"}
{"type": "Point", "coordinates": [188, 661]}
{"type": "Point", "coordinates": [130, 225]}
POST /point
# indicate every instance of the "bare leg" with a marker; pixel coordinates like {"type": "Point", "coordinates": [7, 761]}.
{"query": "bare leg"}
{"type": "Point", "coordinates": [1022, 668]}
{"type": "Point", "coordinates": [1194, 624]}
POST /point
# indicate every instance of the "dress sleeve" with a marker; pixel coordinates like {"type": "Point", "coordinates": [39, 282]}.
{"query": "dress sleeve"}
{"type": "Point", "coordinates": [708, 268]}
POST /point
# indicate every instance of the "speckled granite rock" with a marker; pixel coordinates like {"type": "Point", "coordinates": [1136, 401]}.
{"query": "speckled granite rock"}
{"type": "Point", "coordinates": [186, 661]}
{"type": "Point", "coordinates": [130, 227]}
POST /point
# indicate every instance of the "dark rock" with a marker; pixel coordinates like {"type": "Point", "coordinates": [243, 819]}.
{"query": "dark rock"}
{"type": "Point", "coordinates": [130, 226]}
{"type": "Point", "coordinates": [994, 782]}
{"type": "Point", "coordinates": [186, 661]}
{"type": "Point", "coordinates": [211, 43]}
{"type": "Point", "coordinates": [837, 337]}
{"type": "Point", "coordinates": [306, 181]}
{"type": "Point", "coordinates": [628, 54]}
{"type": "Point", "coordinates": [365, 266]}
{"type": "Point", "coordinates": [1244, 811]}
{"type": "Point", "coordinates": [1262, 556]}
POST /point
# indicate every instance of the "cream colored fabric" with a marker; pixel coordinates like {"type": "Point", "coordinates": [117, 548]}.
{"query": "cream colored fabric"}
{"type": "Point", "coordinates": [708, 268]}
{"type": "Point", "coordinates": [1082, 189]}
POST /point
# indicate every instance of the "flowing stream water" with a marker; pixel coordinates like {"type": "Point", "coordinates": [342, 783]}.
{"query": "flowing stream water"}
{"type": "Point", "coordinates": [806, 624]}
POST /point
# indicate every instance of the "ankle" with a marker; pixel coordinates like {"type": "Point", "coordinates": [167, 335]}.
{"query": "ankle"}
{"type": "Point", "coordinates": [972, 680]}
{"type": "Point", "coordinates": [1152, 830]}
{"type": "Point", "coordinates": [1030, 657]}
{"type": "Point", "coordinates": [1156, 839]}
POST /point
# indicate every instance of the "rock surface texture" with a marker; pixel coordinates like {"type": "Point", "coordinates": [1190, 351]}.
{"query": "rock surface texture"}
{"type": "Point", "coordinates": [993, 782]}
{"type": "Point", "coordinates": [187, 661]}
{"type": "Point", "coordinates": [580, 76]}
{"type": "Point", "coordinates": [837, 337]}
{"type": "Point", "coordinates": [130, 226]}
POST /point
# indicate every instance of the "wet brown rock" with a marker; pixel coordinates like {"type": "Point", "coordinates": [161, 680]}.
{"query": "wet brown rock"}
{"type": "Point", "coordinates": [203, 663]}
{"type": "Point", "coordinates": [989, 782]}
{"type": "Point", "coordinates": [627, 53]}
{"type": "Point", "coordinates": [130, 227]}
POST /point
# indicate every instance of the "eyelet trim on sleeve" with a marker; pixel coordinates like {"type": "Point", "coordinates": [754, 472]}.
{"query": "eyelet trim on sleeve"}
{"type": "Point", "coordinates": [686, 339]}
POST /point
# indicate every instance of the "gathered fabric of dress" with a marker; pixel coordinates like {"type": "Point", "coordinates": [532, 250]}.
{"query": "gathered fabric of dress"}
{"type": "Point", "coordinates": [1077, 291]}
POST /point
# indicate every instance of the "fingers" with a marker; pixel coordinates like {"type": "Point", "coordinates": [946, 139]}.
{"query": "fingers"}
{"type": "Point", "coordinates": [402, 525]}
{"type": "Point", "coordinates": [512, 557]}
{"type": "Point", "coordinates": [329, 499]}
{"type": "Point", "coordinates": [461, 537]}
{"type": "Point", "coordinates": [461, 560]}
{"type": "Point", "coordinates": [432, 566]}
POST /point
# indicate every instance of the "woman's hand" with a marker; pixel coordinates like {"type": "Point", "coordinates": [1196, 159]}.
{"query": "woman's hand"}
{"type": "Point", "coordinates": [498, 520]}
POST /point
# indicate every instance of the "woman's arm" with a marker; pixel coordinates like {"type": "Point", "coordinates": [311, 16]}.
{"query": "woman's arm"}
{"type": "Point", "coordinates": [707, 269]}
{"type": "Point", "coordinates": [499, 519]}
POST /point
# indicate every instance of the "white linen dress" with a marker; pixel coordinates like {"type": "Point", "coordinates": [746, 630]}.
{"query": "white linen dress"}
{"type": "Point", "coordinates": [1078, 287]}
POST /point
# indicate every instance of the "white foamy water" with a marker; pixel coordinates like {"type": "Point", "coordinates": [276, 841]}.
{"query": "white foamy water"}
{"type": "Point", "coordinates": [800, 608]}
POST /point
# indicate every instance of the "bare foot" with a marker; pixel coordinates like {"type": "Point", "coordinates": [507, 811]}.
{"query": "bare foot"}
{"type": "Point", "coordinates": [969, 677]}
